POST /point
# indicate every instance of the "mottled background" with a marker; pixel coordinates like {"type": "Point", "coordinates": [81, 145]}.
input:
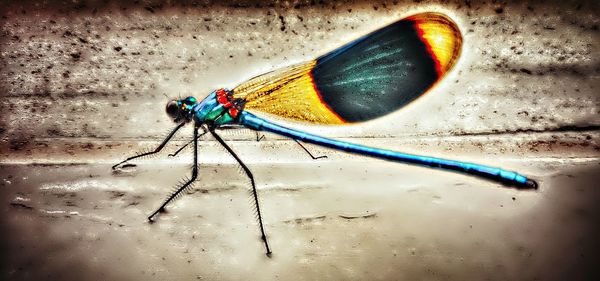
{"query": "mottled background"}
{"type": "Point", "coordinates": [84, 83]}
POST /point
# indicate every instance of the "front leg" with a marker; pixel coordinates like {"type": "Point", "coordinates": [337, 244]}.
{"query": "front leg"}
{"type": "Point", "coordinates": [156, 150]}
{"type": "Point", "coordinates": [186, 184]}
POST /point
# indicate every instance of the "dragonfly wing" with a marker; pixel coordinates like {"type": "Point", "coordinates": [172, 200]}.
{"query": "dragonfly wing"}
{"type": "Point", "coordinates": [290, 93]}
{"type": "Point", "coordinates": [364, 79]}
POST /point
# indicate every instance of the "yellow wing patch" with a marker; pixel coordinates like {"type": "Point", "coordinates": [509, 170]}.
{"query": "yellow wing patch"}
{"type": "Point", "coordinates": [289, 93]}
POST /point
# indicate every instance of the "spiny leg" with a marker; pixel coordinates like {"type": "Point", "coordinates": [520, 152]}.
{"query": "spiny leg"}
{"type": "Point", "coordinates": [298, 142]}
{"type": "Point", "coordinates": [188, 143]}
{"type": "Point", "coordinates": [254, 193]}
{"type": "Point", "coordinates": [186, 184]}
{"type": "Point", "coordinates": [313, 157]}
{"type": "Point", "coordinates": [259, 138]}
{"type": "Point", "coordinates": [156, 150]}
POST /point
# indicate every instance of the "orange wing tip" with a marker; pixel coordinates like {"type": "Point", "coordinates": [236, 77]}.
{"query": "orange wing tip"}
{"type": "Point", "coordinates": [442, 37]}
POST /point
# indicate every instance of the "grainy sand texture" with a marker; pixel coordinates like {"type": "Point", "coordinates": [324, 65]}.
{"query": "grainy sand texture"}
{"type": "Point", "coordinates": [84, 84]}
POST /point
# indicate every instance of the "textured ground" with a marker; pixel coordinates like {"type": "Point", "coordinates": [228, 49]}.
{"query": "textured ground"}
{"type": "Point", "coordinates": [83, 84]}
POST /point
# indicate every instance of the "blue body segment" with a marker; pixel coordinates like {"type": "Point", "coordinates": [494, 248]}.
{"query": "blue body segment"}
{"type": "Point", "coordinates": [203, 108]}
{"type": "Point", "coordinates": [507, 177]}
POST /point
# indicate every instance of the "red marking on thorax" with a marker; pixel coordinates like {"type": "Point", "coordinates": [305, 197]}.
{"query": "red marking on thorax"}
{"type": "Point", "coordinates": [221, 92]}
{"type": "Point", "coordinates": [222, 97]}
{"type": "Point", "coordinates": [233, 112]}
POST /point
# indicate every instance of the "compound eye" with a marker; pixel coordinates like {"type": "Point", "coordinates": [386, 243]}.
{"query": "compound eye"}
{"type": "Point", "coordinates": [173, 109]}
{"type": "Point", "coordinates": [190, 100]}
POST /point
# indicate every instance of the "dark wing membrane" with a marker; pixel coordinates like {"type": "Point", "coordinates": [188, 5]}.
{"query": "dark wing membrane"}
{"type": "Point", "coordinates": [387, 69]}
{"type": "Point", "coordinates": [365, 79]}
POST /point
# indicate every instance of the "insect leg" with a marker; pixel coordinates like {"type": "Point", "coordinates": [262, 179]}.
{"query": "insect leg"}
{"type": "Point", "coordinates": [259, 138]}
{"type": "Point", "coordinates": [188, 143]}
{"type": "Point", "coordinates": [298, 142]}
{"type": "Point", "coordinates": [156, 150]}
{"type": "Point", "coordinates": [254, 193]}
{"type": "Point", "coordinates": [186, 184]}
{"type": "Point", "coordinates": [307, 151]}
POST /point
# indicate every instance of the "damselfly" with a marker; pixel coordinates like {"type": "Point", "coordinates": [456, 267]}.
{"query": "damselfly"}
{"type": "Point", "coordinates": [365, 79]}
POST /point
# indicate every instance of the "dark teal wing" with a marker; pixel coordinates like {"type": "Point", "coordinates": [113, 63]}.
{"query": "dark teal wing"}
{"type": "Point", "coordinates": [388, 68]}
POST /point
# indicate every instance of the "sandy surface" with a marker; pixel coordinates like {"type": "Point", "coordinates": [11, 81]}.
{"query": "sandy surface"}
{"type": "Point", "coordinates": [328, 221]}
{"type": "Point", "coordinates": [82, 84]}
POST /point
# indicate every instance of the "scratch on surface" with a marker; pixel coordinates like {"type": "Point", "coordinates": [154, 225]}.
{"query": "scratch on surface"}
{"type": "Point", "coordinates": [305, 220]}
{"type": "Point", "coordinates": [322, 218]}
{"type": "Point", "coordinates": [358, 217]}
{"type": "Point", "coordinates": [213, 190]}
{"type": "Point", "coordinates": [21, 205]}
{"type": "Point", "coordinates": [560, 129]}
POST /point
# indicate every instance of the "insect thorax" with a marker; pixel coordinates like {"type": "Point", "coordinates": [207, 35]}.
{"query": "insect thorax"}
{"type": "Point", "coordinates": [219, 108]}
